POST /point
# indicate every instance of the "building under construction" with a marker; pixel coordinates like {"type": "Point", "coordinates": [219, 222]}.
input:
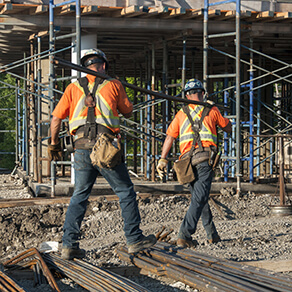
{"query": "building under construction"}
{"type": "Point", "coordinates": [241, 50]}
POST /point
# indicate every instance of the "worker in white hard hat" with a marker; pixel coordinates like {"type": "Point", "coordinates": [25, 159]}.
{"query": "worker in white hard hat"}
{"type": "Point", "coordinates": [93, 106]}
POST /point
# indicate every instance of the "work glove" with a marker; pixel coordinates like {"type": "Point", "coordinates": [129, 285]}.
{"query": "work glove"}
{"type": "Point", "coordinates": [55, 151]}
{"type": "Point", "coordinates": [161, 167]}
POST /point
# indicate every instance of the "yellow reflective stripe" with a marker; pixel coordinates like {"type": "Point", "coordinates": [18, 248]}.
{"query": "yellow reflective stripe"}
{"type": "Point", "coordinates": [106, 118]}
{"type": "Point", "coordinates": [187, 136]}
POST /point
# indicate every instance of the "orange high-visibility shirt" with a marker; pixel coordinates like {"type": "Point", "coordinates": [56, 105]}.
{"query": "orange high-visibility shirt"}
{"type": "Point", "coordinates": [181, 127]}
{"type": "Point", "coordinates": [111, 99]}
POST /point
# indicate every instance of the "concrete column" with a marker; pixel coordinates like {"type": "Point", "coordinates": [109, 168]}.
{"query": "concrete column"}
{"type": "Point", "coordinates": [87, 42]}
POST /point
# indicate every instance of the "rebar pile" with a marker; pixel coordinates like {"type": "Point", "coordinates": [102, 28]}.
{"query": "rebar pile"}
{"type": "Point", "coordinates": [8, 284]}
{"type": "Point", "coordinates": [91, 277]}
{"type": "Point", "coordinates": [33, 260]}
{"type": "Point", "coordinates": [205, 272]}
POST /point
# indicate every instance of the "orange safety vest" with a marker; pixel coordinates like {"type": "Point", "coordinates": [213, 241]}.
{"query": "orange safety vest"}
{"type": "Point", "coordinates": [181, 126]}
{"type": "Point", "coordinates": [111, 99]}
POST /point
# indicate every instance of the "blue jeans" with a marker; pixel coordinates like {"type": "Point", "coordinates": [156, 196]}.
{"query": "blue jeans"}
{"type": "Point", "coordinates": [199, 207]}
{"type": "Point", "coordinates": [119, 180]}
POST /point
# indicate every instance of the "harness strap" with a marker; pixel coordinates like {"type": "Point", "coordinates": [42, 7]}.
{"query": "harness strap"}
{"type": "Point", "coordinates": [90, 129]}
{"type": "Point", "coordinates": [196, 127]}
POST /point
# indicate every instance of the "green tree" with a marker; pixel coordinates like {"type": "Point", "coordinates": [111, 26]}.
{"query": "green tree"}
{"type": "Point", "coordinates": [7, 121]}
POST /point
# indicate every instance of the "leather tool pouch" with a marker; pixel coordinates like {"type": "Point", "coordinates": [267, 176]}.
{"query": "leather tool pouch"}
{"type": "Point", "coordinates": [184, 170]}
{"type": "Point", "coordinates": [107, 151]}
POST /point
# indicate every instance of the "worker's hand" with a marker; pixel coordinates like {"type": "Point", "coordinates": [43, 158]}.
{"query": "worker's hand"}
{"type": "Point", "coordinates": [55, 151]}
{"type": "Point", "coordinates": [211, 102]}
{"type": "Point", "coordinates": [161, 167]}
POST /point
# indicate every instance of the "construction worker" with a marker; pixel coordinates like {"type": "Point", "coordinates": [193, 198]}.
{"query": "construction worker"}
{"type": "Point", "coordinates": [106, 100]}
{"type": "Point", "coordinates": [205, 150]}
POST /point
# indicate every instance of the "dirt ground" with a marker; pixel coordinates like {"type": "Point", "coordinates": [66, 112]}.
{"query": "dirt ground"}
{"type": "Point", "coordinates": [248, 230]}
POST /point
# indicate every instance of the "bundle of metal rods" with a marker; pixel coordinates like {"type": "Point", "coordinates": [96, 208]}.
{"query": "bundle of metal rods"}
{"type": "Point", "coordinates": [32, 259]}
{"type": "Point", "coordinates": [204, 272]}
{"type": "Point", "coordinates": [8, 284]}
{"type": "Point", "coordinates": [91, 277]}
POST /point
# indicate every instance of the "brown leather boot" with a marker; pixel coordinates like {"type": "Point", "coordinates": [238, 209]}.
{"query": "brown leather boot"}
{"type": "Point", "coordinates": [145, 242]}
{"type": "Point", "coordinates": [71, 253]}
{"type": "Point", "coordinates": [214, 239]}
{"type": "Point", "coordinates": [186, 243]}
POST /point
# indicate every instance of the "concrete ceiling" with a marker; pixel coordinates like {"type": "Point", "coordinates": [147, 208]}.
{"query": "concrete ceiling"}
{"type": "Point", "coordinates": [128, 34]}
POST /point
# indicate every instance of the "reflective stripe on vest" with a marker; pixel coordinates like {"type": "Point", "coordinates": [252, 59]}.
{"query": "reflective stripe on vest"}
{"type": "Point", "coordinates": [104, 115]}
{"type": "Point", "coordinates": [186, 133]}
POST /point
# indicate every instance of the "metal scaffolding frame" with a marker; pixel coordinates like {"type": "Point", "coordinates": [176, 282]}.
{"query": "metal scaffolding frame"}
{"type": "Point", "coordinates": [152, 115]}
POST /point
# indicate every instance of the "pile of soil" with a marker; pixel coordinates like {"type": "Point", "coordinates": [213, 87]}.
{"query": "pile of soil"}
{"type": "Point", "coordinates": [248, 230]}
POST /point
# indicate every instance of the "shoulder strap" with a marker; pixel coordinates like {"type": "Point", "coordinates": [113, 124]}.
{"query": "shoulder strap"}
{"type": "Point", "coordinates": [83, 81]}
{"type": "Point", "coordinates": [196, 127]}
{"type": "Point", "coordinates": [90, 126]}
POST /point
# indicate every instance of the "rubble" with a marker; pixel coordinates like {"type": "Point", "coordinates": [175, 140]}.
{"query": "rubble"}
{"type": "Point", "coordinates": [248, 230]}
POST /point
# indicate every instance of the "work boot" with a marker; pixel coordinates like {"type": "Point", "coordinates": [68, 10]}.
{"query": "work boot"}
{"type": "Point", "coordinates": [214, 239]}
{"type": "Point", "coordinates": [145, 242]}
{"type": "Point", "coordinates": [186, 243]}
{"type": "Point", "coordinates": [69, 253]}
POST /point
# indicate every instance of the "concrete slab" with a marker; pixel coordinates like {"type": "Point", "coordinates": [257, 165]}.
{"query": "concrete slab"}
{"type": "Point", "coordinates": [101, 187]}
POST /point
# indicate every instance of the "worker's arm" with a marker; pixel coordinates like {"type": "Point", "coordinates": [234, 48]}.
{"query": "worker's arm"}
{"type": "Point", "coordinates": [162, 163]}
{"type": "Point", "coordinates": [227, 128]}
{"type": "Point", "coordinates": [55, 129]}
{"type": "Point", "coordinates": [166, 146]}
{"type": "Point", "coordinates": [128, 115]}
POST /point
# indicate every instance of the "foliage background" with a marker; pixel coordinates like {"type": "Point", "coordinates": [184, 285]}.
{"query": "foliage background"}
{"type": "Point", "coordinates": [7, 121]}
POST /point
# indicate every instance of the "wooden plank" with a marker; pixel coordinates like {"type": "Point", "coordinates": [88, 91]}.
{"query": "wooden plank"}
{"type": "Point", "coordinates": [40, 9]}
{"type": "Point", "coordinates": [265, 15]}
{"type": "Point", "coordinates": [232, 14]}
{"type": "Point", "coordinates": [89, 10]}
{"type": "Point", "coordinates": [276, 266]}
{"type": "Point", "coordinates": [6, 9]}
{"type": "Point", "coordinates": [214, 13]}
{"type": "Point", "coordinates": [176, 12]}
{"type": "Point", "coordinates": [197, 13]}
{"type": "Point", "coordinates": [66, 9]}
{"type": "Point", "coordinates": [130, 11]}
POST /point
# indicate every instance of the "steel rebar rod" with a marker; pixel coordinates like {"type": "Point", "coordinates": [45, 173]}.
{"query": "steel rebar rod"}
{"type": "Point", "coordinates": [8, 284]}
{"type": "Point", "coordinates": [68, 64]}
{"type": "Point", "coordinates": [176, 273]}
{"type": "Point", "coordinates": [92, 275]}
{"type": "Point", "coordinates": [230, 275]}
{"type": "Point", "coordinates": [235, 282]}
{"type": "Point", "coordinates": [234, 265]}
{"type": "Point", "coordinates": [45, 269]}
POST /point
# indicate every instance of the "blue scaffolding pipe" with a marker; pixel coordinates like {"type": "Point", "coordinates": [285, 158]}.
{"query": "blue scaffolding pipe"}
{"type": "Point", "coordinates": [148, 148]}
{"type": "Point", "coordinates": [225, 136]}
{"type": "Point", "coordinates": [221, 2]}
{"type": "Point", "coordinates": [19, 126]}
{"type": "Point", "coordinates": [251, 127]}
{"type": "Point", "coordinates": [258, 129]}
{"type": "Point", "coordinates": [141, 143]}
{"type": "Point", "coordinates": [63, 3]}
{"type": "Point", "coordinates": [268, 73]}
{"type": "Point", "coordinates": [24, 125]}
{"type": "Point", "coordinates": [16, 121]}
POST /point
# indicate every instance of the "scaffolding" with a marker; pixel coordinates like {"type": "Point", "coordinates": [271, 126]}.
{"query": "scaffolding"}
{"type": "Point", "coordinates": [241, 87]}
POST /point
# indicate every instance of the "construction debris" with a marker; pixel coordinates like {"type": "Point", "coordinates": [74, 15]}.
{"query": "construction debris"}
{"type": "Point", "coordinates": [32, 259]}
{"type": "Point", "coordinates": [91, 277]}
{"type": "Point", "coordinates": [8, 284]}
{"type": "Point", "coordinates": [204, 272]}
{"type": "Point", "coordinates": [84, 274]}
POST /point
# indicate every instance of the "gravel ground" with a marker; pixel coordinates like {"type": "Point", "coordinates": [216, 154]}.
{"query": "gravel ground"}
{"type": "Point", "coordinates": [248, 230]}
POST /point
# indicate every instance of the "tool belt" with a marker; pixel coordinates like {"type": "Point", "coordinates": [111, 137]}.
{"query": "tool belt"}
{"type": "Point", "coordinates": [199, 156]}
{"type": "Point", "coordinates": [82, 141]}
